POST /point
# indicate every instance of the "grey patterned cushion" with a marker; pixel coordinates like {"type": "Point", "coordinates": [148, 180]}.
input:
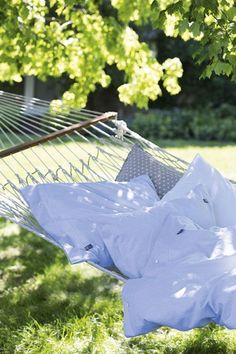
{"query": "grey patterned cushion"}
{"type": "Point", "coordinates": [140, 162]}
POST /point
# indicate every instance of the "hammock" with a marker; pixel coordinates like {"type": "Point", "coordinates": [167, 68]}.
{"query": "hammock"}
{"type": "Point", "coordinates": [43, 143]}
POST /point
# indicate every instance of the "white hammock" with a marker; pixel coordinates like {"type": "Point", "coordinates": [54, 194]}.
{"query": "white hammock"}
{"type": "Point", "coordinates": [39, 145]}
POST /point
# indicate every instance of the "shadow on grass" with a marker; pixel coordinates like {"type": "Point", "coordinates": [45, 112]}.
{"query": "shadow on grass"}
{"type": "Point", "coordinates": [23, 255]}
{"type": "Point", "coordinates": [36, 282]}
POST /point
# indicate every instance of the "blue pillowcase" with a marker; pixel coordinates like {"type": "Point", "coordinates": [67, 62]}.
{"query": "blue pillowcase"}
{"type": "Point", "coordinates": [131, 237]}
{"type": "Point", "coordinates": [70, 213]}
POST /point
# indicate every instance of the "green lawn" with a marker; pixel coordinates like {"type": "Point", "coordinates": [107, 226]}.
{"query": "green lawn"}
{"type": "Point", "coordinates": [47, 306]}
{"type": "Point", "coordinates": [220, 155]}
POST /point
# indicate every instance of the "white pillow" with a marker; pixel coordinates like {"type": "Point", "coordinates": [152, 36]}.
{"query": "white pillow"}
{"type": "Point", "coordinates": [131, 237]}
{"type": "Point", "coordinates": [221, 191]}
{"type": "Point", "coordinates": [197, 205]}
{"type": "Point", "coordinates": [70, 213]}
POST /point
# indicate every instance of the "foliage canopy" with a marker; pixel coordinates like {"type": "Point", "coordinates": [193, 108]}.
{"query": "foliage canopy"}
{"type": "Point", "coordinates": [81, 38]}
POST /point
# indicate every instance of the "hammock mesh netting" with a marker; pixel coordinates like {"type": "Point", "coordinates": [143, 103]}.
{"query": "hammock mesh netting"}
{"type": "Point", "coordinates": [43, 143]}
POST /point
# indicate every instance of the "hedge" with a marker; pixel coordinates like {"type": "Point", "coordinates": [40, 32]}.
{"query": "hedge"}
{"type": "Point", "coordinates": [217, 124]}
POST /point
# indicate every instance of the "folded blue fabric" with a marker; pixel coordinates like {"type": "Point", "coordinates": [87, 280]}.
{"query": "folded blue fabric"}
{"type": "Point", "coordinates": [191, 291]}
{"type": "Point", "coordinates": [71, 212]}
{"type": "Point", "coordinates": [180, 260]}
{"type": "Point", "coordinates": [131, 237]}
{"type": "Point", "coordinates": [220, 190]}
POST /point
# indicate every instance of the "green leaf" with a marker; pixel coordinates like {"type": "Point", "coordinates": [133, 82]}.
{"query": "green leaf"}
{"type": "Point", "coordinates": [195, 28]}
{"type": "Point", "coordinates": [231, 13]}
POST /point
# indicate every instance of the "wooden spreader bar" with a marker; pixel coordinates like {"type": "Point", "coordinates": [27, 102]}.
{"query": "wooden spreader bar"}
{"type": "Point", "coordinates": [74, 127]}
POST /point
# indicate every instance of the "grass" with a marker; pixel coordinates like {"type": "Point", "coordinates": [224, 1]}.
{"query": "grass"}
{"type": "Point", "coordinates": [220, 155]}
{"type": "Point", "coordinates": [48, 306]}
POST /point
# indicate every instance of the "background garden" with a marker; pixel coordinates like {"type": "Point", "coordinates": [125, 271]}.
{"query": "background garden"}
{"type": "Point", "coordinates": [169, 68]}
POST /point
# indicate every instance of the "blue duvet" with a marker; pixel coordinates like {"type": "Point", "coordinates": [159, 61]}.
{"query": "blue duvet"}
{"type": "Point", "coordinates": [179, 253]}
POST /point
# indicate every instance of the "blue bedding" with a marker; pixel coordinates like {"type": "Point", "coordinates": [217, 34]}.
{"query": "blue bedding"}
{"type": "Point", "coordinates": [71, 213]}
{"type": "Point", "coordinates": [179, 252]}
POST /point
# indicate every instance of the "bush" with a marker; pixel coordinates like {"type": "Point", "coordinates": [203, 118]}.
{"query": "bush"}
{"type": "Point", "coordinates": [207, 124]}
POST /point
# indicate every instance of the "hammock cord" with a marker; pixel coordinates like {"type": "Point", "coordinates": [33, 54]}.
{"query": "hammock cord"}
{"type": "Point", "coordinates": [94, 152]}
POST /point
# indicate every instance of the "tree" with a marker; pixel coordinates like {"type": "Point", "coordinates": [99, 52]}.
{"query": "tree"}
{"type": "Point", "coordinates": [81, 38]}
{"type": "Point", "coordinates": [212, 23]}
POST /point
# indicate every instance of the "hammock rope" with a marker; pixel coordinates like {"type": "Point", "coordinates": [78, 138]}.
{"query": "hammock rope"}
{"type": "Point", "coordinates": [40, 143]}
